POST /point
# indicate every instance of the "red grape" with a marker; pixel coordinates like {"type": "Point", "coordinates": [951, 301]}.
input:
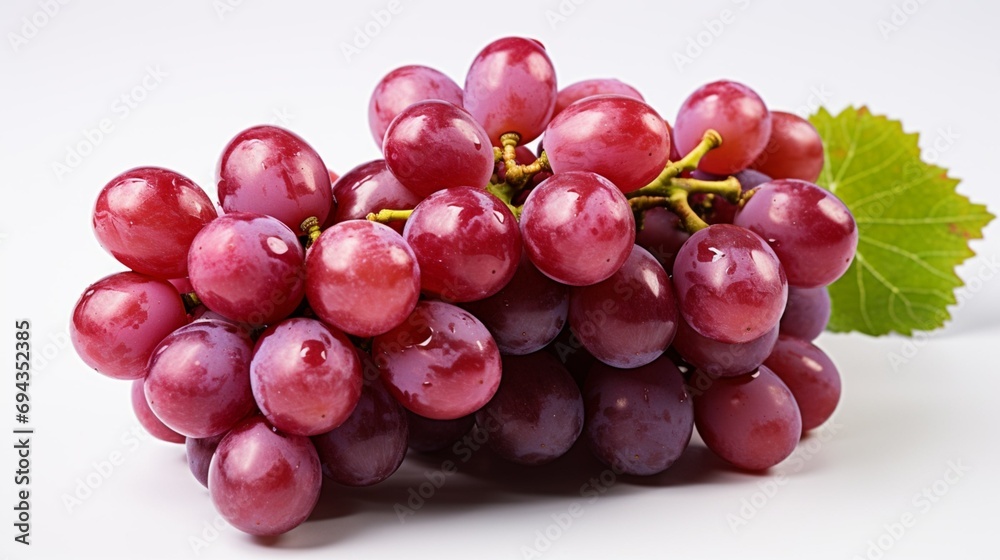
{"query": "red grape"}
{"type": "Point", "coordinates": [589, 88]}
{"type": "Point", "coordinates": [368, 188]}
{"type": "Point", "coordinates": [810, 375]}
{"type": "Point", "coordinates": [403, 87]}
{"type": "Point", "coordinates": [794, 150]}
{"type": "Point", "coordinates": [733, 110]}
{"type": "Point", "coordinates": [148, 419]}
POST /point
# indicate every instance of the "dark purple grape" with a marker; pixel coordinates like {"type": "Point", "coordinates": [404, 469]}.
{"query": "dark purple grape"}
{"type": "Point", "coordinates": [199, 455]}
{"type": "Point", "coordinates": [371, 444]}
{"type": "Point", "coordinates": [428, 435]}
{"type": "Point", "coordinates": [639, 421]}
{"type": "Point", "coordinates": [629, 319]}
{"type": "Point", "coordinates": [662, 235]}
{"type": "Point", "coordinates": [527, 313]}
{"type": "Point", "coordinates": [536, 414]}
{"type": "Point", "coordinates": [721, 359]}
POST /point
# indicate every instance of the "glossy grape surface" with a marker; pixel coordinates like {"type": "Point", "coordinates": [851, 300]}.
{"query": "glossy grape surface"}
{"type": "Point", "coordinates": [620, 138]}
{"type": "Point", "coordinates": [511, 87]}
{"type": "Point", "coordinates": [811, 376]}
{"type": "Point", "coordinates": [589, 88]}
{"type": "Point", "coordinates": [368, 188]}
{"type": "Point", "coordinates": [262, 481]}
{"type": "Point", "coordinates": [120, 319]}
{"type": "Point", "coordinates": [730, 285]}
{"type": "Point", "coordinates": [306, 377]}
{"type": "Point", "coordinates": [248, 267]}
{"type": "Point", "coordinates": [272, 171]}
{"type": "Point", "coordinates": [794, 150]}
{"type": "Point", "coordinates": [362, 278]}
{"type": "Point", "coordinates": [806, 313]}
{"type": "Point", "coordinates": [434, 145]}
{"type": "Point", "coordinates": [467, 243]}
{"type": "Point", "coordinates": [147, 217]}
{"type": "Point", "coordinates": [440, 363]}
{"type": "Point", "coordinates": [577, 228]}
{"type": "Point", "coordinates": [733, 110]}
{"type": "Point", "coordinates": [147, 419]}
{"type": "Point", "coordinates": [809, 228]}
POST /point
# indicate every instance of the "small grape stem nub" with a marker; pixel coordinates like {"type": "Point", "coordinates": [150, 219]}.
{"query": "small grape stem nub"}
{"type": "Point", "coordinates": [191, 301]}
{"type": "Point", "coordinates": [310, 227]}
{"type": "Point", "coordinates": [677, 202]}
{"type": "Point", "coordinates": [386, 215]}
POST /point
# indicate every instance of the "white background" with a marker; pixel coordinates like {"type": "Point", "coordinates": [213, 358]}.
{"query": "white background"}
{"type": "Point", "coordinates": [895, 434]}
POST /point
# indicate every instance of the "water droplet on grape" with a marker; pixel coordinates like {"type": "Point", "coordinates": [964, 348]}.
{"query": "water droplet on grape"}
{"type": "Point", "coordinates": [277, 246]}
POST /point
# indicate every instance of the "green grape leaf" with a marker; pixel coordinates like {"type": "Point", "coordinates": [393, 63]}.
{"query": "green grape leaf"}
{"type": "Point", "coordinates": [913, 227]}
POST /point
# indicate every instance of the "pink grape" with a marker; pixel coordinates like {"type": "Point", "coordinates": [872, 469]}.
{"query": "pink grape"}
{"type": "Point", "coordinates": [733, 110]}
{"type": "Point", "coordinates": [794, 150]}
{"type": "Point", "coordinates": [466, 241]}
{"type": "Point", "coordinates": [810, 375]}
{"type": "Point", "coordinates": [434, 145]}
{"type": "Point", "coordinates": [750, 420]}
{"type": "Point", "coordinates": [589, 88]}
{"type": "Point", "coordinates": [147, 217]}
{"type": "Point", "coordinates": [403, 87]}
{"type": "Point", "coordinates": [120, 319]}
{"type": "Point", "coordinates": [806, 313]}
{"type": "Point", "coordinates": [577, 228]}
{"type": "Point", "coordinates": [620, 138]}
{"type": "Point", "coordinates": [629, 319]}
{"type": "Point", "coordinates": [199, 379]}
{"type": "Point", "coordinates": [148, 419]}
{"type": "Point", "coordinates": [248, 267]}
{"type": "Point", "coordinates": [262, 481]}
{"type": "Point", "coordinates": [511, 87]}
{"type": "Point", "coordinates": [440, 363]}
{"type": "Point", "coordinates": [639, 421]}
{"type": "Point", "coordinates": [527, 313]}
{"type": "Point", "coordinates": [536, 414]}
{"type": "Point", "coordinates": [809, 228]}
{"type": "Point", "coordinates": [306, 377]}
{"type": "Point", "coordinates": [354, 264]}
{"type": "Point", "coordinates": [368, 188]}
{"type": "Point", "coordinates": [269, 170]}
{"type": "Point", "coordinates": [730, 284]}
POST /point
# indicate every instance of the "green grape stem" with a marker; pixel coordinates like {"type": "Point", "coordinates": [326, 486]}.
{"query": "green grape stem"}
{"type": "Point", "coordinates": [310, 227]}
{"type": "Point", "coordinates": [386, 215]}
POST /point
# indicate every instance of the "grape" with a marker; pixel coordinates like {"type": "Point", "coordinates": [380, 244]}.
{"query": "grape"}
{"type": "Point", "coordinates": [536, 414]}
{"type": "Point", "coordinates": [355, 263]}
{"type": "Point", "coordinates": [199, 379]}
{"type": "Point", "coordinates": [794, 150]}
{"type": "Point", "coordinates": [629, 319]}
{"type": "Point", "coordinates": [721, 359]}
{"type": "Point", "coordinates": [810, 375]}
{"type": "Point", "coordinates": [577, 228]}
{"type": "Point", "coordinates": [733, 110]}
{"type": "Point", "coordinates": [441, 362]}
{"type": "Point", "coordinates": [120, 319]}
{"type": "Point", "coordinates": [269, 170]}
{"type": "Point", "coordinates": [617, 137]}
{"type": "Point", "coordinates": [248, 267]}
{"type": "Point", "coordinates": [262, 481]}
{"type": "Point", "coordinates": [199, 455]}
{"type": "Point", "coordinates": [729, 283]}
{"type": "Point", "coordinates": [661, 235]}
{"type": "Point", "coordinates": [589, 88]}
{"type": "Point", "coordinates": [368, 188]}
{"type": "Point", "coordinates": [370, 445]}
{"type": "Point", "coordinates": [148, 420]}
{"type": "Point", "coordinates": [810, 229]}
{"type": "Point", "coordinates": [403, 87]}
{"type": "Point", "coordinates": [147, 217]}
{"type": "Point", "coordinates": [806, 313]}
{"type": "Point", "coordinates": [527, 313]}
{"type": "Point", "coordinates": [466, 241]}
{"type": "Point", "coordinates": [306, 378]}
{"type": "Point", "coordinates": [722, 211]}
{"type": "Point", "coordinates": [639, 421]}
{"type": "Point", "coordinates": [511, 87]}
{"type": "Point", "coordinates": [434, 145]}
{"type": "Point", "coordinates": [751, 420]}
{"type": "Point", "coordinates": [428, 435]}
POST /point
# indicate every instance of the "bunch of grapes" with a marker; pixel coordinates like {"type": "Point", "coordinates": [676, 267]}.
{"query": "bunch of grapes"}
{"type": "Point", "coordinates": [629, 283]}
